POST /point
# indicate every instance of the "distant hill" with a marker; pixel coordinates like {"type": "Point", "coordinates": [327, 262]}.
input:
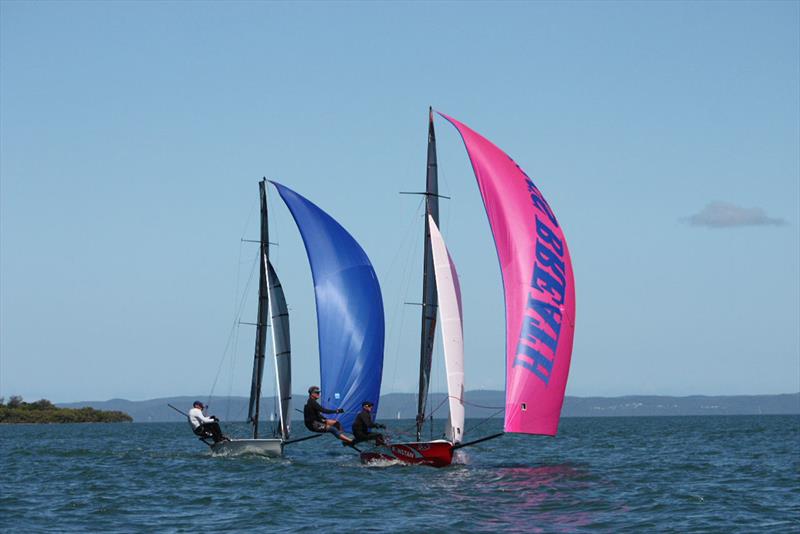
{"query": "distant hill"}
{"type": "Point", "coordinates": [480, 403]}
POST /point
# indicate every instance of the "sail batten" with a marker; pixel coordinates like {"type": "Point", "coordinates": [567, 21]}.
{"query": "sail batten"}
{"type": "Point", "coordinates": [538, 286]}
{"type": "Point", "coordinates": [350, 319]}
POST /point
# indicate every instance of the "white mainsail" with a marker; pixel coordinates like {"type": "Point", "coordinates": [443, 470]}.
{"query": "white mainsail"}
{"type": "Point", "coordinates": [281, 347]}
{"type": "Point", "coordinates": [452, 331]}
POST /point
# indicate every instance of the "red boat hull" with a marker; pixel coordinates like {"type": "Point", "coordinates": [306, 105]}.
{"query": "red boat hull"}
{"type": "Point", "coordinates": [433, 453]}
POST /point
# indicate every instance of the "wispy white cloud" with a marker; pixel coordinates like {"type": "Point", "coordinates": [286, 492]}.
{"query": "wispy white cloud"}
{"type": "Point", "coordinates": [725, 215]}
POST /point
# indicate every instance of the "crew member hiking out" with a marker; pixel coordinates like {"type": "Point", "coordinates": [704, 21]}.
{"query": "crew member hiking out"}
{"type": "Point", "coordinates": [205, 426]}
{"type": "Point", "coordinates": [364, 423]}
{"type": "Point", "coordinates": [316, 422]}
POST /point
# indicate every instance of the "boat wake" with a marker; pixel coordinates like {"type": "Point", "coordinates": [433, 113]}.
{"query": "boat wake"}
{"type": "Point", "coordinates": [385, 462]}
{"type": "Point", "coordinates": [460, 457]}
{"type": "Point", "coordinates": [238, 448]}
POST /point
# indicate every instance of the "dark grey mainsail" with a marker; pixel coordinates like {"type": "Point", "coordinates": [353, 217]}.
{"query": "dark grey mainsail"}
{"type": "Point", "coordinates": [429, 295]}
{"type": "Point", "coordinates": [263, 311]}
{"type": "Point", "coordinates": [282, 348]}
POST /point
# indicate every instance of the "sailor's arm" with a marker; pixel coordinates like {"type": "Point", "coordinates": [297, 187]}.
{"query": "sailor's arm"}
{"type": "Point", "coordinates": [204, 419]}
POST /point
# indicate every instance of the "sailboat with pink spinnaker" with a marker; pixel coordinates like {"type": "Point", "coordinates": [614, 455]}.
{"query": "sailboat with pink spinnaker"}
{"type": "Point", "coordinates": [539, 291]}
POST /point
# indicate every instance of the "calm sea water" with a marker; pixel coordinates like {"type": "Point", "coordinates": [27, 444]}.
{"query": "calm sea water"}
{"type": "Point", "coordinates": [683, 474]}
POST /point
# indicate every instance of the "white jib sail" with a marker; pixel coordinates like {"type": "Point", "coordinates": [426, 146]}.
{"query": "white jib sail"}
{"type": "Point", "coordinates": [452, 331]}
{"type": "Point", "coordinates": [281, 347]}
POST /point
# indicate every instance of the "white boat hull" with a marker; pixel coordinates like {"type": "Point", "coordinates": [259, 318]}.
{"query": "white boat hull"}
{"type": "Point", "coordinates": [261, 447]}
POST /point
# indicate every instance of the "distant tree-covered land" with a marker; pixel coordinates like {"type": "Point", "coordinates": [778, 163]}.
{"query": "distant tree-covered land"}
{"type": "Point", "coordinates": [44, 411]}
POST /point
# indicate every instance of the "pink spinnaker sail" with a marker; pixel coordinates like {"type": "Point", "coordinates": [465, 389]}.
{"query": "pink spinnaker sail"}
{"type": "Point", "coordinates": [538, 284]}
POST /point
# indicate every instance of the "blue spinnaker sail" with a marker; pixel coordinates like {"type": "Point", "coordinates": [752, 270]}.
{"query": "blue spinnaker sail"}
{"type": "Point", "coordinates": [349, 310]}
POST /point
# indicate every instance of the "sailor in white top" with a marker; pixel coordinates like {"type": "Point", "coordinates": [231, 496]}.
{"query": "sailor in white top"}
{"type": "Point", "coordinates": [205, 426]}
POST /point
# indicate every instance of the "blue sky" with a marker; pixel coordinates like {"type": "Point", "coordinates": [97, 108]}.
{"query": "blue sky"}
{"type": "Point", "coordinates": [132, 136]}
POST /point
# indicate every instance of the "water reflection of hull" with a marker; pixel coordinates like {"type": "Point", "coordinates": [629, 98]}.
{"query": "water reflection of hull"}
{"type": "Point", "coordinates": [437, 453]}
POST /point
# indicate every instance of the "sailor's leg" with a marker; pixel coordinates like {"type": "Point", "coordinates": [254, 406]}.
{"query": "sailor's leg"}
{"type": "Point", "coordinates": [374, 436]}
{"type": "Point", "coordinates": [216, 432]}
{"type": "Point", "coordinates": [333, 429]}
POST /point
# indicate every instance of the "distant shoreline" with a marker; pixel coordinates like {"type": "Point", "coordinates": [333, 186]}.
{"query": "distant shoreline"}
{"type": "Point", "coordinates": [18, 412]}
{"type": "Point", "coordinates": [479, 403]}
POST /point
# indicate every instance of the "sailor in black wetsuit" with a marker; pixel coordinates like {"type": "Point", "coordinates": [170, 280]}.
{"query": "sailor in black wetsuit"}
{"type": "Point", "coordinates": [363, 424]}
{"type": "Point", "coordinates": [316, 422]}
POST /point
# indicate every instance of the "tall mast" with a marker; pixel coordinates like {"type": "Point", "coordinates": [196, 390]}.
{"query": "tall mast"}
{"type": "Point", "coordinates": [263, 313]}
{"type": "Point", "coordinates": [429, 295]}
